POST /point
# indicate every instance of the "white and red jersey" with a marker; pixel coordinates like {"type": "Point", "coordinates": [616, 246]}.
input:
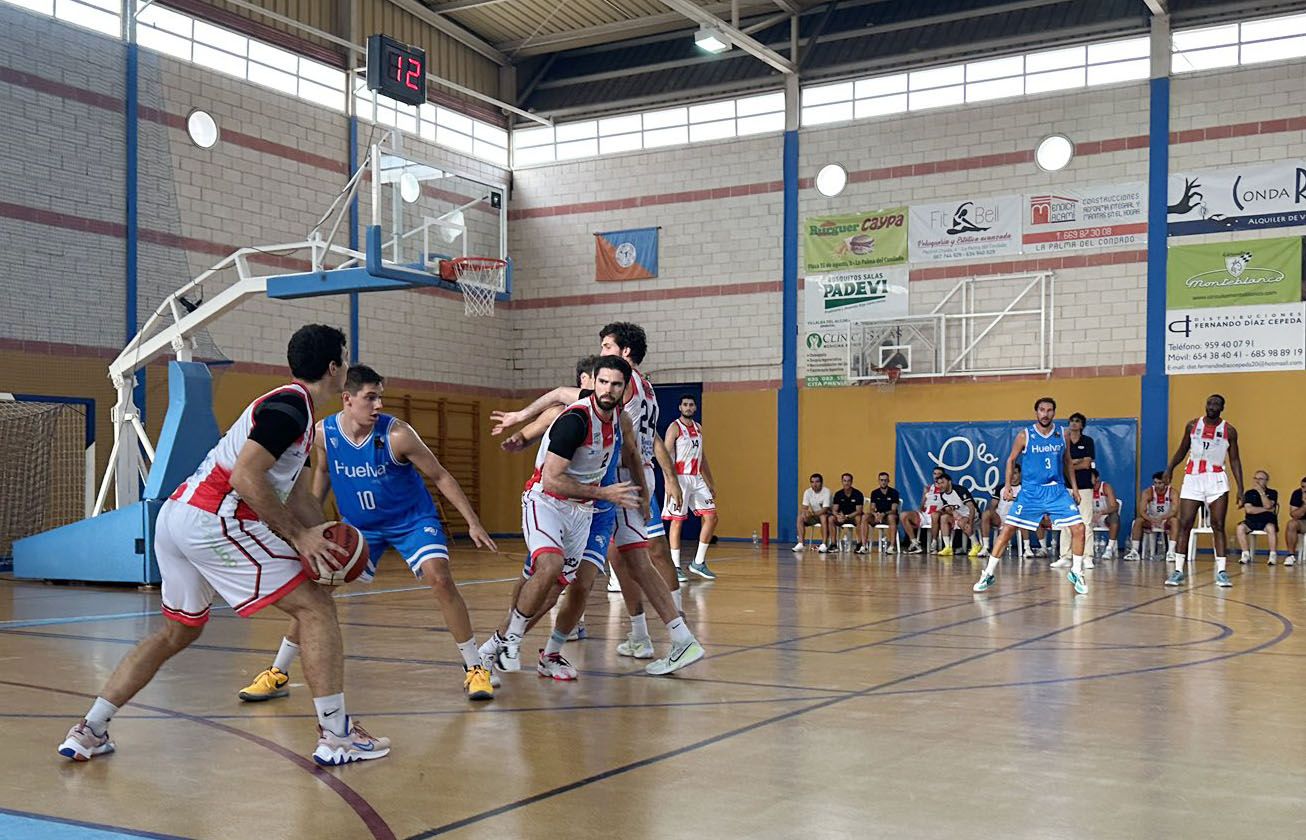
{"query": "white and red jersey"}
{"type": "Point", "coordinates": [1207, 447]}
{"type": "Point", "coordinates": [1100, 499]}
{"type": "Point", "coordinates": [933, 500]}
{"type": "Point", "coordinates": [642, 408]}
{"type": "Point", "coordinates": [209, 487]}
{"type": "Point", "coordinates": [689, 447]}
{"type": "Point", "coordinates": [590, 461]}
{"type": "Point", "coordinates": [1161, 503]}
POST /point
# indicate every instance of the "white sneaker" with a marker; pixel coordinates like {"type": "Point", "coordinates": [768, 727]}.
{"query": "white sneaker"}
{"type": "Point", "coordinates": [1274, 558]}
{"type": "Point", "coordinates": [1245, 558]}
{"type": "Point", "coordinates": [82, 744]}
{"type": "Point", "coordinates": [509, 656]}
{"type": "Point", "coordinates": [1088, 562]}
{"type": "Point", "coordinates": [1060, 563]}
{"type": "Point", "coordinates": [679, 657]}
{"type": "Point", "coordinates": [638, 648]}
{"type": "Point", "coordinates": [1041, 554]}
{"type": "Point", "coordinates": [824, 548]}
{"type": "Point", "coordinates": [1029, 554]}
{"type": "Point", "coordinates": [356, 745]}
{"type": "Point", "coordinates": [1131, 555]}
{"type": "Point", "coordinates": [552, 665]}
{"type": "Point", "coordinates": [1290, 560]}
{"type": "Point", "coordinates": [800, 547]}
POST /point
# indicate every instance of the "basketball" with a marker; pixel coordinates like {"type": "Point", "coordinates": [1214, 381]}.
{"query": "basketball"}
{"type": "Point", "coordinates": [351, 565]}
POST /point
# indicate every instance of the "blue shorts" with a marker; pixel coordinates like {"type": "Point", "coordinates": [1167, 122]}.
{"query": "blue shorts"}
{"type": "Point", "coordinates": [601, 528]}
{"type": "Point", "coordinates": [1033, 502]}
{"type": "Point", "coordinates": [416, 541]}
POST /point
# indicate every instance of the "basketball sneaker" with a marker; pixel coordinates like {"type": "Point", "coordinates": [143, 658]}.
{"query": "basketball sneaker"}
{"type": "Point", "coordinates": [268, 685]}
{"type": "Point", "coordinates": [552, 665]}
{"type": "Point", "coordinates": [1077, 581]}
{"type": "Point", "coordinates": [984, 584]}
{"type": "Point", "coordinates": [579, 633]}
{"type": "Point", "coordinates": [487, 662]}
{"type": "Point", "coordinates": [638, 648]}
{"type": "Point", "coordinates": [1060, 563]}
{"type": "Point", "coordinates": [1245, 558]}
{"type": "Point", "coordinates": [681, 656]}
{"type": "Point", "coordinates": [822, 548]}
{"type": "Point", "coordinates": [1274, 558]}
{"type": "Point", "coordinates": [1088, 562]}
{"type": "Point", "coordinates": [914, 547]}
{"type": "Point", "coordinates": [681, 577]}
{"type": "Point", "coordinates": [1131, 556]}
{"type": "Point", "coordinates": [976, 550]}
{"type": "Point", "coordinates": [1222, 579]}
{"type": "Point", "coordinates": [702, 570]}
{"type": "Point", "coordinates": [800, 547]}
{"type": "Point", "coordinates": [946, 551]}
{"type": "Point", "coordinates": [1290, 560]}
{"type": "Point", "coordinates": [355, 745]}
{"type": "Point", "coordinates": [82, 744]}
{"type": "Point", "coordinates": [478, 684]}
{"type": "Point", "coordinates": [510, 654]}
{"type": "Point", "coordinates": [1176, 578]}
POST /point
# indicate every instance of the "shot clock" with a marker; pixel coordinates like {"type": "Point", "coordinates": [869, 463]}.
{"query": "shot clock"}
{"type": "Point", "coordinates": [396, 70]}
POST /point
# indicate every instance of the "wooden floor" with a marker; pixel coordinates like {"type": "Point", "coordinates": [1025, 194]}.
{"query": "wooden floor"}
{"type": "Point", "coordinates": [841, 697]}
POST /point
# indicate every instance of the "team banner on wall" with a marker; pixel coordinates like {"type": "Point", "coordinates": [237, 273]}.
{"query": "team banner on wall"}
{"type": "Point", "coordinates": [1113, 216]}
{"type": "Point", "coordinates": [1244, 198]}
{"type": "Point", "coordinates": [626, 254]}
{"type": "Point", "coordinates": [975, 455]}
{"type": "Point", "coordinates": [982, 228]}
{"type": "Point", "coordinates": [871, 294]}
{"type": "Point", "coordinates": [825, 354]}
{"type": "Point", "coordinates": [1248, 272]}
{"type": "Point", "coordinates": [1242, 339]}
{"type": "Point", "coordinates": [862, 240]}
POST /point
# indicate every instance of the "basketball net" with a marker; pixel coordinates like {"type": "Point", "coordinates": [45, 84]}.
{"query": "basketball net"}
{"type": "Point", "coordinates": [480, 279]}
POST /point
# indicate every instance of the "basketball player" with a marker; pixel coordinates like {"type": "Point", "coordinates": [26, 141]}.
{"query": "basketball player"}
{"type": "Point", "coordinates": [958, 511]}
{"type": "Point", "coordinates": [374, 463]}
{"type": "Point", "coordinates": [1156, 512]}
{"type": "Point", "coordinates": [1106, 514]}
{"type": "Point", "coordinates": [226, 531]}
{"type": "Point", "coordinates": [1206, 443]}
{"type": "Point", "coordinates": [1045, 463]}
{"type": "Point", "coordinates": [915, 521]}
{"type": "Point", "coordinates": [697, 489]}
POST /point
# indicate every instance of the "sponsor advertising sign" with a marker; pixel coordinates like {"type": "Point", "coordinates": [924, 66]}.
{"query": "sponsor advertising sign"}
{"type": "Point", "coordinates": [825, 353]}
{"type": "Point", "coordinates": [862, 240]}
{"type": "Point", "coordinates": [867, 295]}
{"type": "Point", "coordinates": [1245, 198]}
{"type": "Point", "coordinates": [1244, 273]}
{"type": "Point", "coordinates": [1250, 338]}
{"type": "Point", "coordinates": [1112, 216]}
{"type": "Point", "coordinates": [970, 229]}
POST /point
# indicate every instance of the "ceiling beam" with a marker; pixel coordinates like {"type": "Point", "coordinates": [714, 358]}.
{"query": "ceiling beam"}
{"type": "Point", "coordinates": [453, 30]}
{"type": "Point", "coordinates": [789, 6]}
{"type": "Point", "coordinates": [605, 33]}
{"type": "Point", "coordinates": [460, 5]}
{"type": "Point", "coordinates": [1156, 7]}
{"type": "Point", "coordinates": [736, 36]}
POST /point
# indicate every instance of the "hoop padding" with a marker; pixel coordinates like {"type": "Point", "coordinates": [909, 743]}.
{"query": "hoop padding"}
{"type": "Point", "coordinates": [480, 279]}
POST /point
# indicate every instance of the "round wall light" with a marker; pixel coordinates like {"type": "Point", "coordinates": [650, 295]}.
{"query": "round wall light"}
{"type": "Point", "coordinates": [831, 180]}
{"type": "Point", "coordinates": [1054, 152]}
{"type": "Point", "coordinates": [202, 128]}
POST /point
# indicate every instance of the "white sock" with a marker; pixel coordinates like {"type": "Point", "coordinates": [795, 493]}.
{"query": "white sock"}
{"type": "Point", "coordinates": [639, 628]}
{"type": "Point", "coordinates": [1220, 563]}
{"type": "Point", "coordinates": [285, 655]}
{"type": "Point", "coordinates": [701, 557]}
{"type": "Point", "coordinates": [517, 624]}
{"type": "Point", "coordinates": [992, 565]}
{"type": "Point", "coordinates": [1077, 563]}
{"type": "Point", "coordinates": [471, 654]}
{"type": "Point", "coordinates": [679, 631]}
{"type": "Point", "coordinates": [1134, 545]}
{"type": "Point", "coordinates": [984, 543]}
{"type": "Point", "coordinates": [102, 711]}
{"type": "Point", "coordinates": [331, 713]}
{"type": "Point", "coordinates": [677, 600]}
{"type": "Point", "coordinates": [556, 640]}
{"type": "Point", "coordinates": [1180, 558]}
{"type": "Point", "coordinates": [1172, 546]}
{"type": "Point", "coordinates": [675, 557]}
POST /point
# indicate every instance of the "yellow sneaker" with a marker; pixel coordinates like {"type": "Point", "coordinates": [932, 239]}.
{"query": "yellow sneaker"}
{"type": "Point", "coordinates": [266, 686]}
{"type": "Point", "coordinates": [946, 551]}
{"type": "Point", "coordinates": [477, 684]}
{"type": "Point", "coordinates": [975, 549]}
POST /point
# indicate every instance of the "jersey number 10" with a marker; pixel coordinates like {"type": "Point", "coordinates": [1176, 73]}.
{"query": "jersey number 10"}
{"type": "Point", "coordinates": [366, 500]}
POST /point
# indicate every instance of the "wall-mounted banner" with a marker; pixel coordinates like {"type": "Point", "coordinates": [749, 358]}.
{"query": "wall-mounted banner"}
{"type": "Point", "coordinates": [626, 254]}
{"type": "Point", "coordinates": [823, 347]}
{"type": "Point", "coordinates": [969, 229]}
{"type": "Point", "coordinates": [1243, 273]}
{"type": "Point", "coordinates": [1246, 198]}
{"type": "Point", "coordinates": [871, 294]}
{"type": "Point", "coordinates": [1112, 216]}
{"type": "Point", "coordinates": [863, 240]}
{"type": "Point", "coordinates": [1251, 338]}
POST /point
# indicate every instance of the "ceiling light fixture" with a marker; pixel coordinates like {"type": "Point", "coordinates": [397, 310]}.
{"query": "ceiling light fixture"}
{"type": "Point", "coordinates": [710, 39]}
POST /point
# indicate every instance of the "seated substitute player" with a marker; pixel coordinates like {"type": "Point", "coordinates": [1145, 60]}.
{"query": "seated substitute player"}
{"type": "Point", "coordinates": [884, 508]}
{"type": "Point", "coordinates": [374, 463]}
{"type": "Point", "coordinates": [815, 510]}
{"type": "Point", "coordinates": [684, 440]}
{"type": "Point", "coordinates": [1045, 468]}
{"type": "Point", "coordinates": [226, 530]}
{"type": "Point", "coordinates": [1296, 515]}
{"type": "Point", "coordinates": [1106, 514]}
{"type": "Point", "coordinates": [958, 511]}
{"type": "Point", "coordinates": [1156, 514]}
{"type": "Point", "coordinates": [1261, 512]}
{"type": "Point", "coordinates": [915, 521]}
{"type": "Point", "coordinates": [847, 505]}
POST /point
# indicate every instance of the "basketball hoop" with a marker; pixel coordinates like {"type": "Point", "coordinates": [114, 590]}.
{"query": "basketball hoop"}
{"type": "Point", "coordinates": [480, 279]}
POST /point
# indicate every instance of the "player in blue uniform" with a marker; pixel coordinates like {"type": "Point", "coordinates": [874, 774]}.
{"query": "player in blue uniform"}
{"type": "Point", "coordinates": [375, 464]}
{"type": "Point", "coordinates": [1046, 472]}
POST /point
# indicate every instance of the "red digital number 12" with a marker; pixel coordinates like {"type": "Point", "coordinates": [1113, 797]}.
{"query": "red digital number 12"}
{"type": "Point", "coordinates": [414, 74]}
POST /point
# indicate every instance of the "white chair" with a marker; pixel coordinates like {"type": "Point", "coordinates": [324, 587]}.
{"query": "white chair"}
{"type": "Point", "coordinates": [883, 542]}
{"type": "Point", "coordinates": [1202, 525]}
{"type": "Point", "coordinates": [847, 536]}
{"type": "Point", "coordinates": [1154, 543]}
{"type": "Point", "coordinates": [1252, 543]}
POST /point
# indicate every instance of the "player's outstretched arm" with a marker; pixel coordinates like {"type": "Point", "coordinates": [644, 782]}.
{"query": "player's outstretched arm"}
{"type": "Point", "coordinates": [1181, 451]}
{"type": "Point", "coordinates": [408, 446]}
{"type": "Point", "coordinates": [1235, 459]}
{"type": "Point", "coordinates": [503, 420]}
{"type": "Point", "coordinates": [532, 431]}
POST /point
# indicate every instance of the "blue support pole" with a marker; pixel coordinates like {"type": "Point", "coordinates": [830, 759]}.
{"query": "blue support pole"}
{"type": "Point", "coordinates": [131, 121]}
{"type": "Point", "coordinates": [787, 408]}
{"type": "Point", "coordinates": [354, 337]}
{"type": "Point", "coordinates": [1154, 412]}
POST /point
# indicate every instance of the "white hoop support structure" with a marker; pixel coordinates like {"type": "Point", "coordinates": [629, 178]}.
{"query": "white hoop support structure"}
{"type": "Point", "coordinates": [480, 279]}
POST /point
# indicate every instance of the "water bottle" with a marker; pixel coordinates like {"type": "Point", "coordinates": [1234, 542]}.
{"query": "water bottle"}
{"type": "Point", "coordinates": [756, 539]}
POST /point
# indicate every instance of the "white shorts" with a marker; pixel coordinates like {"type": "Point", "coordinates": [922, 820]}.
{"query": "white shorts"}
{"type": "Point", "coordinates": [200, 553]}
{"type": "Point", "coordinates": [694, 496]}
{"type": "Point", "coordinates": [632, 530]}
{"type": "Point", "coordinates": [1204, 487]}
{"type": "Point", "coordinates": [554, 526]}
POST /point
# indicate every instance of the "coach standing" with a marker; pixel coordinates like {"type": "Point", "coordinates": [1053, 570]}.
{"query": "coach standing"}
{"type": "Point", "coordinates": [1082, 454]}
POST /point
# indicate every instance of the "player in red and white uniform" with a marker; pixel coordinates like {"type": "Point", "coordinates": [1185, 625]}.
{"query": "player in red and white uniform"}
{"type": "Point", "coordinates": [1207, 442]}
{"type": "Point", "coordinates": [914, 521]}
{"type": "Point", "coordinates": [237, 528]}
{"type": "Point", "coordinates": [1157, 512]}
{"type": "Point", "coordinates": [685, 439]}
{"type": "Point", "coordinates": [1106, 514]}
